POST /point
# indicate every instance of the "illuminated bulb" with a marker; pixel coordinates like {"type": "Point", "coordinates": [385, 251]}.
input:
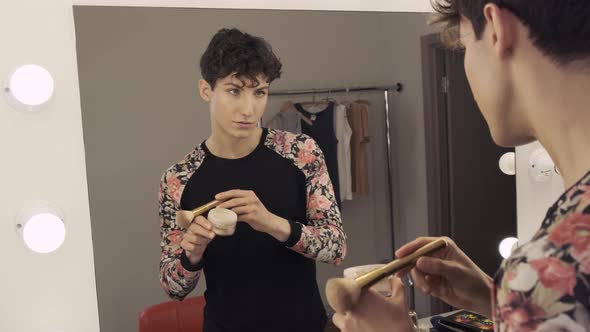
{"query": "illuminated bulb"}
{"type": "Point", "coordinates": [41, 227]}
{"type": "Point", "coordinates": [506, 246]}
{"type": "Point", "coordinates": [507, 163]}
{"type": "Point", "coordinates": [29, 86]}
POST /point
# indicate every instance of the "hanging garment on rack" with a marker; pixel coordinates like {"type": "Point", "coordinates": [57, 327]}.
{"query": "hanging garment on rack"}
{"type": "Point", "coordinates": [343, 135]}
{"type": "Point", "coordinates": [322, 131]}
{"type": "Point", "coordinates": [286, 121]}
{"type": "Point", "coordinates": [358, 116]}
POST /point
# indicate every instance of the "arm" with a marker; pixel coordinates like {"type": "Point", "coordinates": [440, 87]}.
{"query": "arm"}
{"type": "Point", "coordinates": [323, 238]}
{"type": "Point", "coordinates": [178, 276]}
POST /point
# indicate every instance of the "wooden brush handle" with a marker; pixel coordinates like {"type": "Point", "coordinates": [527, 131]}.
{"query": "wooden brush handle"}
{"type": "Point", "coordinates": [204, 208]}
{"type": "Point", "coordinates": [369, 279]}
{"type": "Point", "coordinates": [185, 218]}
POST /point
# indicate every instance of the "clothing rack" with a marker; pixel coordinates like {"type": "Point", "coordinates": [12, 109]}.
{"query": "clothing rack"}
{"type": "Point", "coordinates": [398, 87]}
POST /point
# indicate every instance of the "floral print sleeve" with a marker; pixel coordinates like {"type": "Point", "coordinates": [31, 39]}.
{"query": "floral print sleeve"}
{"type": "Point", "coordinates": [177, 281]}
{"type": "Point", "coordinates": [545, 285]}
{"type": "Point", "coordinates": [322, 238]}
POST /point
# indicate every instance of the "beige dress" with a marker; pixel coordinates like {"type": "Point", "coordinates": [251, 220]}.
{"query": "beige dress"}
{"type": "Point", "coordinates": [358, 116]}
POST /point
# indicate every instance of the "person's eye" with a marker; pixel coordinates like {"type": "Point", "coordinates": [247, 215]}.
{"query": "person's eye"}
{"type": "Point", "coordinates": [260, 93]}
{"type": "Point", "coordinates": [235, 91]}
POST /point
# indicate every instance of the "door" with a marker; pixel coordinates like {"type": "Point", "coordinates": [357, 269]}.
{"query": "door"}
{"type": "Point", "coordinates": [469, 198]}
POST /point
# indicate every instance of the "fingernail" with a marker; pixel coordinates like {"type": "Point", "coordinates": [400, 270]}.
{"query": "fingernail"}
{"type": "Point", "coordinates": [211, 235]}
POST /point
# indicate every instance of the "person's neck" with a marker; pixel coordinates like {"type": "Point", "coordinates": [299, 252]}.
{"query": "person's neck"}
{"type": "Point", "coordinates": [558, 102]}
{"type": "Point", "coordinates": [227, 147]}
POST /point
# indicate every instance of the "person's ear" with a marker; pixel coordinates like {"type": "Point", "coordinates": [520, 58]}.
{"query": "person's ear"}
{"type": "Point", "coordinates": [503, 25]}
{"type": "Point", "coordinates": [205, 90]}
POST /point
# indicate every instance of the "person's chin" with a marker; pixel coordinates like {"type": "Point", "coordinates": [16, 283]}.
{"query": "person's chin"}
{"type": "Point", "coordinates": [243, 133]}
{"type": "Point", "coordinates": [510, 140]}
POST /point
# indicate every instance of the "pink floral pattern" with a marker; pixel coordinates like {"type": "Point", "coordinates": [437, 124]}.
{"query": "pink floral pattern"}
{"type": "Point", "coordinates": [545, 284]}
{"type": "Point", "coordinates": [520, 313]}
{"type": "Point", "coordinates": [322, 238]}
{"type": "Point", "coordinates": [555, 274]}
{"type": "Point", "coordinates": [174, 278]}
{"type": "Point", "coordinates": [174, 186]}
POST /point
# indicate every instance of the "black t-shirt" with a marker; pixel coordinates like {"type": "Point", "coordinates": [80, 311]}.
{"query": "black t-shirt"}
{"type": "Point", "coordinates": [255, 282]}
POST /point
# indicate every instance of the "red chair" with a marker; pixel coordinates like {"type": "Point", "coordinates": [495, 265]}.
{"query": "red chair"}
{"type": "Point", "coordinates": [173, 316]}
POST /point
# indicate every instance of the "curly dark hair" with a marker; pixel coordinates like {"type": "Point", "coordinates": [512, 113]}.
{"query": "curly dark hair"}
{"type": "Point", "coordinates": [233, 51]}
{"type": "Point", "coordinates": [559, 28]}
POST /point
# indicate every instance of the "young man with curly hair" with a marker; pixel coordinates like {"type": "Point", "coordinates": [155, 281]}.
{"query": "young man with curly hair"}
{"type": "Point", "coordinates": [263, 277]}
{"type": "Point", "coordinates": [528, 65]}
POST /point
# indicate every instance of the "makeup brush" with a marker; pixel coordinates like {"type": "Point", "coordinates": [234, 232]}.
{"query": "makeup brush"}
{"type": "Point", "coordinates": [185, 217]}
{"type": "Point", "coordinates": [343, 294]}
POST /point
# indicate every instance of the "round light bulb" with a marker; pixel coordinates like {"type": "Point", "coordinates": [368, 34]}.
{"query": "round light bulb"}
{"type": "Point", "coordinates": [44, 232]}
{"type": "Point", "coordinates": [507, 163]}
{"type": "Point", "coordinates": [541, 167]}
{"type": "Point", "coordinates": [31, 85]}
{"type": "Point", "coordinates": [506, 246]}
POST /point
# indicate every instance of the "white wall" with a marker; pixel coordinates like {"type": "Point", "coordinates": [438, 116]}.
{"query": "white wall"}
{"type": "Point", "coordinates": [532, 198]}
{"type": "Point", "coordinates": [44, 159]}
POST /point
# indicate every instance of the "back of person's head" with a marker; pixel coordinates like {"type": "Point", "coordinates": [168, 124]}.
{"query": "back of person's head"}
{"type": "Point", "coordinates": [559, 28]}
{"type": "Point", "coordinates": [232, 51]}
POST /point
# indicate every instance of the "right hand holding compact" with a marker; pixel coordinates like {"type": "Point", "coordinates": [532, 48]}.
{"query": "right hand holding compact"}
{"type": "Point", "coordinates": [450, 275]}
{"type": "Point", "coordinates": [196, 238]}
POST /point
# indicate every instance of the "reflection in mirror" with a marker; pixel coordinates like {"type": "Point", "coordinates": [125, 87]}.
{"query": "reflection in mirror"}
{"type": "Point", "coordinates": [145, 108]}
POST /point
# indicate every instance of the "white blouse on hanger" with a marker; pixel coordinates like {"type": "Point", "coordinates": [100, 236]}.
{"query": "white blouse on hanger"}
{"type": "Point", "coordinates": [343, 133]}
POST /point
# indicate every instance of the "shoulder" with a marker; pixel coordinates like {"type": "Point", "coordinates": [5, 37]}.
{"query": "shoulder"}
{"type": "Point", "coordinates": [553, 269]}
{"type": "Point", "coordinates": [577, 198]}
{"type": "Point", "coordinates": [300, 149]}
{"type": "Point", "coordinates": [568, 222]}
{"type": "Point", "coordinates": [287, 143]}
{"type": "Point", "coordinates": [181, 169]}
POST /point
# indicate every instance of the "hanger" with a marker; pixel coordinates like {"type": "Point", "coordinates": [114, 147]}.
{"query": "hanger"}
{"type": "Point", "coordinates": [288, 106]}
{"type": "Point", "coordinates": [313, 102]}
{"type": "Point", "coordinates": [346, 99]}
{"type": "Point", "coordinates": [328, 97]}
{"type": "Point", "coordinates": [362, 101]}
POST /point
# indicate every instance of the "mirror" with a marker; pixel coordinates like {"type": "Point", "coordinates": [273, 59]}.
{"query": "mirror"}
{"type": "Point", "coordinates": [142, 113]}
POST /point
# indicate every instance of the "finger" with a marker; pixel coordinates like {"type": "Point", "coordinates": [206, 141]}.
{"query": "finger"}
{"type": "Point", "coordinates": [203, 222]}
{"type": "Point", "coordinates": [190, 237]}
{"type": "Point", "coordinates": [199, 239]}
{"type": "Point", "coordinates": [397, 289]}
{"type": "Point", "coordinates": [369, 300]}
{"type": "Point", "coordinates": [202, 241]}
{"type": "Point", "coordinates": [404, 272]}
{"type": "Point", "coordinates": [437, 285]}
{"type": "Point", "coordinates": [420, 281]}
{"type": "Point", "coordinates": [241, 201]}
{"type": "Point", "coordinates": [200, 231]}
{"type": "Point", "coordinates": [193, 242]}
{"type": "Point", "coordinates": [187, 246]}
{"type": "Point", "coordinates": [230, 194]}
{"type": "Point", "coordinates": [410, 247]}
{"type": "Point", "coordinates": [439, 267]}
